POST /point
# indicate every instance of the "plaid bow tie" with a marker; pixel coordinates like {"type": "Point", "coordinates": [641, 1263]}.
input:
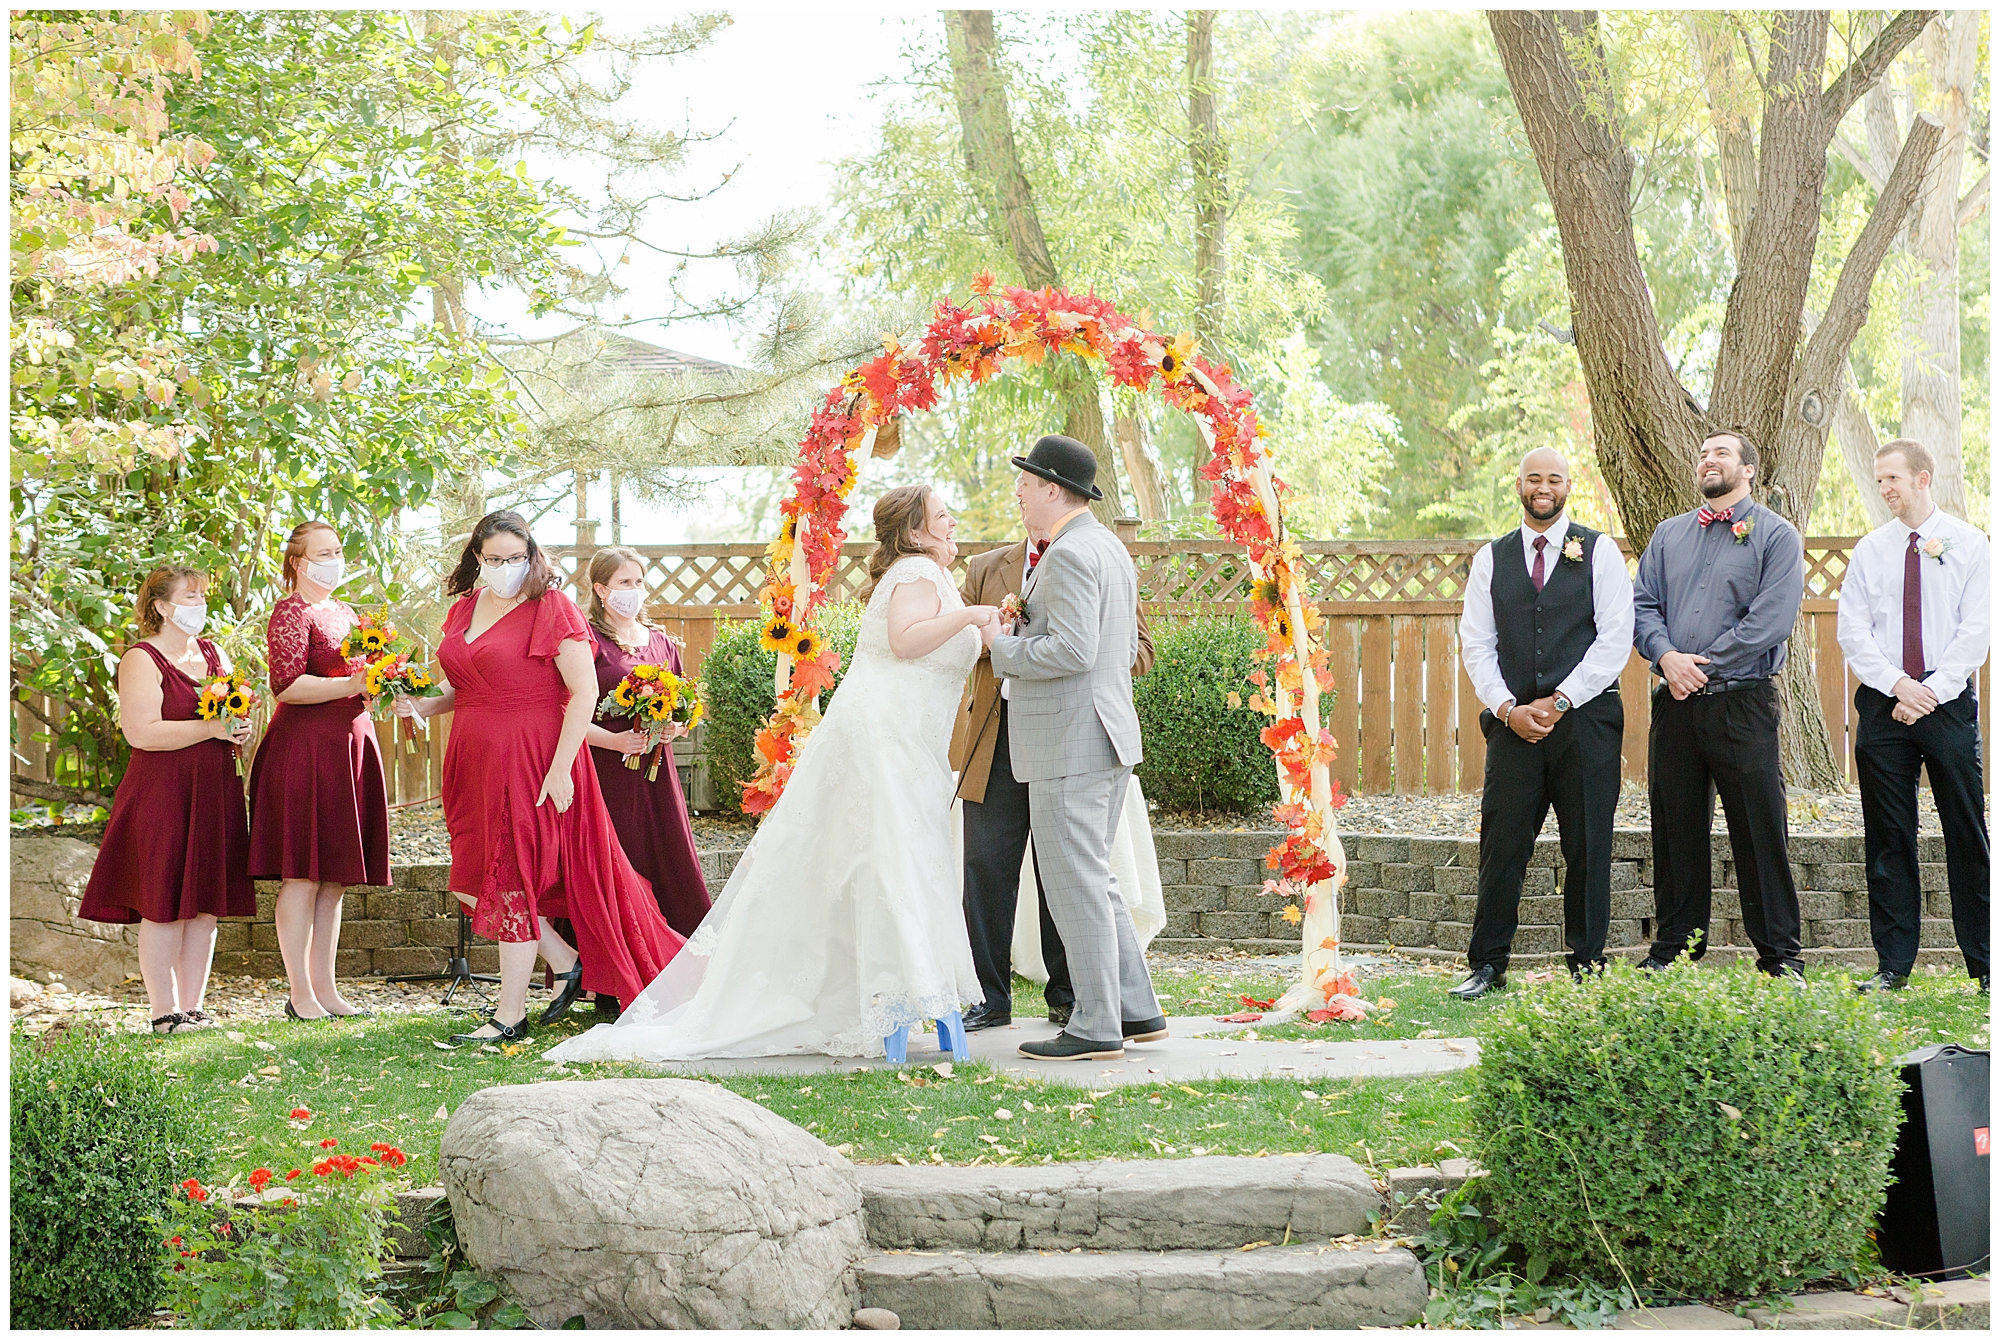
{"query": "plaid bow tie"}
{"type": "Point", "coordinates": [1705, 515]}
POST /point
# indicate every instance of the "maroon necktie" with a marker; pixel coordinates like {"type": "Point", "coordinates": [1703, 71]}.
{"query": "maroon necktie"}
{"type": "Point", "coordinates": [1539, 575]}
{"type": "Point", "coordinates": [1035, 550]}
{"type": "Point", "coordinates": [1704, 515]}
{"type": "Point", "coordinates": [1913, 611]}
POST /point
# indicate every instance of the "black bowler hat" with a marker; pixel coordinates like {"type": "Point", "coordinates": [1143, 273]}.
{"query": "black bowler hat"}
{"type": "Point", "coordinates": [1065, 461]}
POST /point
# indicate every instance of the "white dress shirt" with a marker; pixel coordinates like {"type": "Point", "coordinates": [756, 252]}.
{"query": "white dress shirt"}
{"type": "Point", "coordinates": [1611, 604]}
{"type": "Point", "coordinates": [1958, 619]}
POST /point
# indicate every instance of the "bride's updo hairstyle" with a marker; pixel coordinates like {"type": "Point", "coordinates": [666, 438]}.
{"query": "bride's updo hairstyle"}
{"type": "Point", "coordinates": [899, 519]}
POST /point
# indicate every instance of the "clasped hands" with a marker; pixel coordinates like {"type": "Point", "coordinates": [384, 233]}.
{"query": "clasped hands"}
{"type": "Point", "coordinates": [990, 622]}
{"type": "Point", "coordinates": [1913, 700]}
{"type": "Point", "coordinates": [1533, 721]}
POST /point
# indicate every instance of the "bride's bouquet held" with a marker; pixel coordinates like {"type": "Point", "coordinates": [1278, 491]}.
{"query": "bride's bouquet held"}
{"type": "Point", "coordinates": [657, 700]}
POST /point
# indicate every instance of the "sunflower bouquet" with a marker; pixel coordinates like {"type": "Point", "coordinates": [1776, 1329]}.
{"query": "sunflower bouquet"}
{"type": "Point", "coordinates": [228, 696]}
{"type": "Point", "coordinates": [394, 675]}
{"type": "Point", "coordinates": [372, 636]}
{"type": "Point", "coordinates": [656, 699]}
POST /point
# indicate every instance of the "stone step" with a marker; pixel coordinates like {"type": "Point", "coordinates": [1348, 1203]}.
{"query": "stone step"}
{"type": "Point", "coordinates": [1210, 1203]}
{"type": "Point", "coordinates": [1289, 1287]}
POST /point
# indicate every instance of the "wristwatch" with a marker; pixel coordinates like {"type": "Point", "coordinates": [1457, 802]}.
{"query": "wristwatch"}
{"type": "Point", "coordinates": [1563, 704]}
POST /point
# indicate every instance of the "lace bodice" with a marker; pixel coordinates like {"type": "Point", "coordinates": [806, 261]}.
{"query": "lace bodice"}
{"type": "Point", "coordinates": [305, 639]}
{"type": "Point", "coordinates": [953, 661]}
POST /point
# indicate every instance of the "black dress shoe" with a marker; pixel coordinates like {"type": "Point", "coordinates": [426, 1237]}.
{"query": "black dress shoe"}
{"type": "Point", "coordinates": [1579, 971]}
{"type": "Point", "coordinates": [507, 1033]}
{"type": "Point", "coordinates": [1059, 1015]}
{"type": "Point", "coordinates": [1146, 1030]}
{"type": "Point", "coordinates": [572, 987]}
{"type": "Point", "coordinates": [1884, 981]}
{"type": "Point", "coordinates": [1483, 979]}
{"type": "Point", "coordinates": [1063, 1047]}
{"type": "Point", "coordinates": [607, 1006]}
{"type": "Point", "coordinates": [982, 1017]}
{"type": "Point", "coordinates": [1651, 964]}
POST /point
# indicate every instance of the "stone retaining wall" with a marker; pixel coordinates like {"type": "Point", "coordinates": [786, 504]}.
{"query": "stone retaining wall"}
{"type": "Point", "coordinates": [1414, 894]}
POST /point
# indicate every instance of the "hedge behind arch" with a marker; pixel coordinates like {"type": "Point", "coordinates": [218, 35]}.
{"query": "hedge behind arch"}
{"type": "Point", "coordinates": [973, 341]}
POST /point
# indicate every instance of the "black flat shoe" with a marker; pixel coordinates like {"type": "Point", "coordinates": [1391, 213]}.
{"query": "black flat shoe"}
{"type": "Point", "coordinates": [507, 1033]}
{"type": "Point", "coordinates": [353, 1014]}
{"type": "Point", "coordinates": [1483, 980]}
{"type": "Point", "coordinates": [1884, 981]}
{"type": "Point", "coordinates": [1146, 1030]}
{"type": "Point", "coordinates": [291, 1013]}
{"type": "Point", "coordinates": [572, 987]}
{"type": "Point", "coordinates": [1063, 1047]}
{"type": "Point", "coordinates": [979, 1017]}
{"type": "Point", "coordinates": [1651, 964]}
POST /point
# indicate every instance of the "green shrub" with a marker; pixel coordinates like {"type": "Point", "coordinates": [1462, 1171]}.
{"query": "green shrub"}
{"type": "Point", "coordinates": [736, 681]}
{"type": "Point", "coordinates": [1696, 1131]}
{"type": "Point", "coordinates": [97, 1146]}
{"type": "Point", "coordinates": [1200, 752]}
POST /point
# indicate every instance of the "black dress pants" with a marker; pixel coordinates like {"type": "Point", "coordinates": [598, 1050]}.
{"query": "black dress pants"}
{"type": "Point", "coordinates": [996, 838]}
{"type": "Point", "coordinates": [1723, 744]}
{"type": "Point", "coordinates": [1887, 755]}
{"type": "Point", "coordinates": [1574, 769]}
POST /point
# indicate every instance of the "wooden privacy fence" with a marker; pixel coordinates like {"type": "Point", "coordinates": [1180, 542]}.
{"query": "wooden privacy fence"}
{"type": "Point", "coordinates": [1405, 715]}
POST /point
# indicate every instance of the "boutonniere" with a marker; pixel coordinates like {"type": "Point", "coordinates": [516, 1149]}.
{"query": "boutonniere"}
{"type": "Point", "coordinates": [1572, 550]}
{"type": "Point", "coordinates": [1013, 609]}
{"type": "Point", "coordinates": [1741, 530]}
{"type": "Point", "coordinates": [1935, 548]}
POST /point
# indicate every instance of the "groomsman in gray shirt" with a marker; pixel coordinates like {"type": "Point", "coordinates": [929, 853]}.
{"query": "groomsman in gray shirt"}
{"type": "Point", "coordinates": [1717, 594]}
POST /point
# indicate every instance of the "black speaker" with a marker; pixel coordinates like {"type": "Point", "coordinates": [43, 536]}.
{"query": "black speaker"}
{"type": "Point", "coordinates": [1935, 1220]}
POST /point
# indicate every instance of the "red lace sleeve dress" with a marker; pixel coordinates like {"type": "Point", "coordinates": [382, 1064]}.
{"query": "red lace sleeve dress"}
{"type": "Point", "coordinates": [318, 806]}
{"type": "Point", "coordinates": [519, 859]}
{"type": "Point", "coordinates": [651, 818]}
{"type": "Point", "coordinates": [177, 846]}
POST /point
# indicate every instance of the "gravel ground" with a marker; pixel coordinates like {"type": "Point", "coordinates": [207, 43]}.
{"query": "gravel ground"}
{"type": "Point", "coordinates": [232, 1000]}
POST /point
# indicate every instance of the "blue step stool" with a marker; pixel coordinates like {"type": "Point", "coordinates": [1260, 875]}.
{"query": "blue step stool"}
{"type": "Point", "coordinates": [951, 1038]}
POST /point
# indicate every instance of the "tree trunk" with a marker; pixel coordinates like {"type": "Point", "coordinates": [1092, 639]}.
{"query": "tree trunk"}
{"type": "Point", "coordinates": [1648, 428]}
{"type": "Point", "coordinates": [1149, 494]}
{"type": "Point", "coordinates": [1855, 432]}
{"type": "Point", "coordinates": [1208, 160]}
{"type": "Point", "coordinates": [994, 166]}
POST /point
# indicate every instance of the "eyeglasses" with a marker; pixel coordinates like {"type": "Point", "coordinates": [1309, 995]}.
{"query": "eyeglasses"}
{"type": "Point", "coordinates": [515, 561]}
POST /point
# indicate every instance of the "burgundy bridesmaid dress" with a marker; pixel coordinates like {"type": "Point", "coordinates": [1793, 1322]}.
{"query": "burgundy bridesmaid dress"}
{"type": "Point", "coordinates": [318, 807]}
{"type": "Point", "coordinates": [177, 845]}
{"type": "Point", "coordinates": [651, 818]}
{"type": "Point", "coordinates": [519, 859]}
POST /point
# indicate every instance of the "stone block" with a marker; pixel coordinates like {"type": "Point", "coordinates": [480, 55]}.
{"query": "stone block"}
{"type": "Point", "coordinates": [232, 937]}
{"type": "Point", "coordinates": [1539, 882]}
{"type": "Point", "coordinates": [1223, 873]}
{"type": "Point", "coordinates": [264, 963]}
{"type": "Point", "coordinates": [1453, 935]}
{"type": "Point", "coordinates": [482, 957]}
{"type": "Point", "coordinates": [1631, 844]}
{"type": "Point", "coordinates": [1818, 906]}
{"type": "Point", "coordinates": [1468, 853]}
{"type": "Point", "coordinates": [1361, 930]}
{"type": "Point", "coordinates": [1623, 934]}
{"type": "Point", "coordinates": [1249, 846]}
{"type": "Point", "coordinates": [1836, 1311]}
{"type": "Point", "coordinates": [439, 931]}
{"type": "Point", "coordinates": [434, 878]}
{"type": "Point", "coordinates": [1382, 849]}
{"type": "Point", "coordinates": [1234, 925]}
{"type": "Point", "coordinates": [1406, 877]}
{"type": "Point", "coordinates": [1192, 898]}
{"type": "Point", "coordinates": [371, 934]}
{"type": "Point", "coordinates": [1362, 874]}
{"type": "Point", "coordinates": [263, 935]}
{"type": "Point", "coordinates": [1934, 933]}
{"type": "Point", "coordinates": [1182, 924]}
{"type": "Point", "coordinates": [353, 962]}
{"type": "Point", "coordinates": [1841, 877]}
{"type": "Point", "coordinates": [1410, 931]}
{"type": "Point", "coordinates": [1930, 847]}
{"type": "Point", "coordinates": [1247, 898]}
{"type": "Point", "coordinates": [1932, 877]}
{"type": "Point", "coordinates": [1632, 903]}
{"type": "Point", "coordinates": [1381, 902]}
{"type": "Point", "coordinates": [267, 902]}
{"type": "Point", "coordinates": [1538, 940]}
{"type": "Point", "coordinates": [1624, 875]}
{"type": "Point", "coordinates": [404, 905]}
{"type": "Point", "coordinates": [1685, 1317]}
{"type": "Point", "coordinates": [1937, 903]}
{"type": "Point", "coordinates": [1726, 905]}
{"type": "Point", "coordinates": [1541, 912]}
{"type": "Point", "coordinates": [1172, 871]}
{"type": "Point", "coordinates": [409, 959]}
{"type": "Point", "coordinates": [1835, 935]}
{"type": "Point", "coordinates": [1179, 846]}
{"type": "Point", "coordinates": [1455, 879]}
{"type": "Point", "coordinates": [1823, 848]}
{"type": "Point", "coordinates": [353, 905]}
{"type": "Point", "coordinates": [1429, 906]}
{"type": "Point", "coordinates": [1951, 1305]}
{"type": "Point", "coordinates": [1547, 853]}
{"type": "Point", "coordinates": [1433, 851]}
{"type": "Point", "coordinates": [413, 1210]}
{"type": "Point", "coordinates": [1464, 907]}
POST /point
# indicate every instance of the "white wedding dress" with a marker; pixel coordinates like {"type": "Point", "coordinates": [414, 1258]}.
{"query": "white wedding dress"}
{"type": "Point", "coordinates": [844, 921]}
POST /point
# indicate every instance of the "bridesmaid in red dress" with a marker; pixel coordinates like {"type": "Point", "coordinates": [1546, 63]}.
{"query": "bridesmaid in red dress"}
{"type": "Point", "coordinates": [651, 817]}
{"type": "Point", "coordinates": [319, 810]}
{"type": "Point", "coordinates": [530, 839]}
{"type": "Point", "coordinates": [176, 854]}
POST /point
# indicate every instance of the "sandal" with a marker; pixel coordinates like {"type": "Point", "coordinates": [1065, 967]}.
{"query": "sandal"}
{"type": "Point", "coordinates": [169, 1023]}
{"type": "Point", "coordinates": [508, 1033]}
{"type": "Point", "coordinates": [201, 1019]}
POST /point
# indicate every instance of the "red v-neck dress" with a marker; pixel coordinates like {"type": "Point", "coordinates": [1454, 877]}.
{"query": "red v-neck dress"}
{"type": "Point", "coordinates": [651, 817]}
{"type": "Point", "coordinates": [521, 860]}
{"type": "Point", "coordinates": [178, 845]}
{"type": "Point", "coordinates": [318, 806]}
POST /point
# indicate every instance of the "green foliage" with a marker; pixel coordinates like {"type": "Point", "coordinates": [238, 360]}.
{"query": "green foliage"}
{"type": "Point", "coordinates": [1202, 753]}
{"type": "Point", "coordinates": [1479, 1282]}
{"type": "Point", "coordinates": [452, 1297]}
{"type": "Point", "coordinates": [736, 678]}
{"type": "Point", "coordinates": [1694, 1131]}
{"type": "Point", "coordinates": [96, 1145]}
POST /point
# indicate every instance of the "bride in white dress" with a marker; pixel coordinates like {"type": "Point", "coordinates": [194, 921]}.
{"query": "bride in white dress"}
{"type": "Point", "coordinates": [843, 922]}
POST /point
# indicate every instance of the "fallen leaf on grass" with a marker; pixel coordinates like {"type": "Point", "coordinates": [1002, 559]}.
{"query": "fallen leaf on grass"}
{"type": "Point", "coordinates": [441, 1114]}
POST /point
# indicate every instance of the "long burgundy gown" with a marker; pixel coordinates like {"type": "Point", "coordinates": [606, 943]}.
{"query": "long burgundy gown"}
{"type": "Point", "coordinates": [177, 845]}
{"type": "Point", "coordinates": [318, 806]}
{"type": "Point", "coordinates": [522, 860]}
{"type": "Point", "coordinates": [651, 818]}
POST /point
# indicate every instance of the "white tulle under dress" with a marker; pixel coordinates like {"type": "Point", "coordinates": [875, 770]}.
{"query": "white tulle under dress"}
{"type": "Point", "coordinates": [844, 920]}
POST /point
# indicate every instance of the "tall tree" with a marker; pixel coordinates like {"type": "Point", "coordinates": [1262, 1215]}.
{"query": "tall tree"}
{"type": "Point", "coordinates": [1208, 164]}
{"type": "Point", "coordinates": [991, 160]}
{"type": "Point", "coordinates": [1771, 378]}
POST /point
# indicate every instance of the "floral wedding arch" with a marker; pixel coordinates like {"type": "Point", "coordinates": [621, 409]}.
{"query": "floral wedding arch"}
{"type": "Point", "coordinates": [973, 341]}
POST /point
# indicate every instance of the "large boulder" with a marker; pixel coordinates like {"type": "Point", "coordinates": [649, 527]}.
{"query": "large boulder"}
{"type": "Point", "coordinates": [646, 1203]}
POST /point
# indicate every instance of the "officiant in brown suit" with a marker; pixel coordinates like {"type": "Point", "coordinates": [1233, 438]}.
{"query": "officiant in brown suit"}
{"type": "Point", "coordinates": [996, 809]}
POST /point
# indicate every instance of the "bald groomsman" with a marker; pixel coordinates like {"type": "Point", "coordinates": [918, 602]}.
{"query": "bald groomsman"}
{"type": "Point", "coordinates": [1546, 630]}
{"type": "Point", "coordinates": [1915, 620]}
{"type": "Point", "coordinates": [1719, 589]}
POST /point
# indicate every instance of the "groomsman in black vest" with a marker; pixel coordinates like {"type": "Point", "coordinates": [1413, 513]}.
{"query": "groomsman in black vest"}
{"type": "Point", "coordinates": [1547, 628]}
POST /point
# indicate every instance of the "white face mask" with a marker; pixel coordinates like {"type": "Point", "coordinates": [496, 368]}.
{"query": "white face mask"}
{"type": "Point", "coordinates": [504, 580]}
{"type": "Point", "coordinates": [329, 573]}
{"type": "Point", "coordinates": [190, 618]}
{"type": "Point", "coordinates": [627, 603]}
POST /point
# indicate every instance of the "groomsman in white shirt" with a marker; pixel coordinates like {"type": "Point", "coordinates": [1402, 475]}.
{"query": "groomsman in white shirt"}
{"type": "Point", "coordinates": [1546, 630]}
{"type": "Point", "coordinates": [1914, 622]}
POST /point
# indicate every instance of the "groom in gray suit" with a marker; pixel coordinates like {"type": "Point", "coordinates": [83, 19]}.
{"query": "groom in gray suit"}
{"type": "Point", "coordinates": [1074, 737]}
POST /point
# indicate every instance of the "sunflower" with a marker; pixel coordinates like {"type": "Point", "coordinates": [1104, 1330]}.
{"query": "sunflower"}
{"type": "Point", "coordinates": [778, 633]}
{"type": "Point", "coordinates": [419, 680]}
{"type": "Point", "coordinates": [372, 640]}
{"type": "Point", "coordinates": [622, 695]}
{"type": "Point", "coordinates": [1265, 591]}
{"type": "Point", "coordinates": [642, 673]}
{"type": "Point", "coordinates": [237, 703]}
{"type": "Point", "coordinates": [805, 646]}
{"type": "Point", "coordinates": [659, 707]}
{"type": "Point", "coordinates": [695, 713]}
{"type": "Point", "coordinates": [1281, 626]}
{"type": "Point", "coordinates": [207, 708]}
{"type": "Point", "coordinates": [1174, 359]}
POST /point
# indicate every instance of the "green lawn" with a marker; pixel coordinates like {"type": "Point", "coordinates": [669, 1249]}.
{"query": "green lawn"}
{"type": "Point", "coordinates": [385, 1079]}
